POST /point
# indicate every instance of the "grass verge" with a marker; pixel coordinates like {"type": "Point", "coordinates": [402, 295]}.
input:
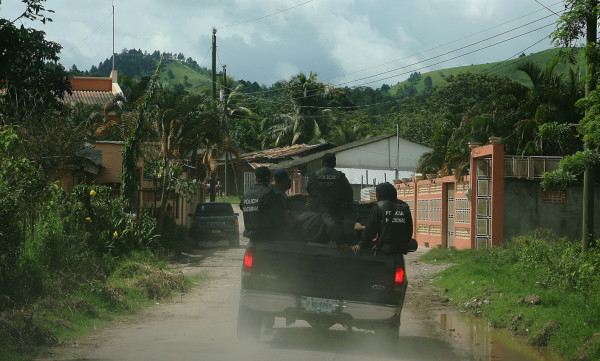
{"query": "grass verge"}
{"type": "Point", "coordinates": [493, 284]}
{"type": "Point", "coordinates": [136, 283]}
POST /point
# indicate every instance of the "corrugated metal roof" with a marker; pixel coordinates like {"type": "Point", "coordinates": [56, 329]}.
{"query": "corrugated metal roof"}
{"type": "Point", "coordinates": [255, 165]}
{"type": "Point", "coordinates": [280, 153]}
{"type": "Point", "coordinates": [319, 155]}
{"type": "Point", "coordinates": [360, 175]}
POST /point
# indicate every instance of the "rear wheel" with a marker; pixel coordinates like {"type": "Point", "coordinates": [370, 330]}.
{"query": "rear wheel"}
{"type": "Point", "coordinates": [249, 324]}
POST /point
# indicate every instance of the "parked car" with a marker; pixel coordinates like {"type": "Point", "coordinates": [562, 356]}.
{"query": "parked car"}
{"type": "Point", "coordinates": [215, 221]}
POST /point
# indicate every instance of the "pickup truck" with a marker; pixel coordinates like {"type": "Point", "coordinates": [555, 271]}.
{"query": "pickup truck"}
{"type": "Point", "coordinates": [215, 221]}
{"type": "Point", "coordinates": [321, 284]}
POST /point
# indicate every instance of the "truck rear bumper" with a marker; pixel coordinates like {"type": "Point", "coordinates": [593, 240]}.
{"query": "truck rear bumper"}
{"type": "Point", "coordinates": [286, 305]}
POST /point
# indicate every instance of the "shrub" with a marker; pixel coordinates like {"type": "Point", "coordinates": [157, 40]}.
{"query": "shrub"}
{"type": "Point", "coordinates": [558, 263]}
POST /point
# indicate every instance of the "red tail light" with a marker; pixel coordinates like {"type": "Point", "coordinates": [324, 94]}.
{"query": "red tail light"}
{"type": "Point", "coordinates": [248, 260]}
{"type": "Point", "coordinates": [399, 277]}
{"type": "Point", "coordinates": [237, 223]}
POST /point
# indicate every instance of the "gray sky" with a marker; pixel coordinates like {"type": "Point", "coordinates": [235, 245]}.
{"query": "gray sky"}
{"type": "Point", "coordinates": [346, 42]}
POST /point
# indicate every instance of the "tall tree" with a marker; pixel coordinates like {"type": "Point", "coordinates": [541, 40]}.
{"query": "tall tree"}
{"type": "Point", "coordinates": [581, 19]}
{"type": "Point", "coordinates": [31, 80]}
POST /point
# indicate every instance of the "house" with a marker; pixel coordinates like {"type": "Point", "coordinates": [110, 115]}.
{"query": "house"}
{"type": "Point", "coordinates": [94, 90]}
{"type": "Point", "coordinates": [102, 160]}
{"type": "Point", "coordinates": [365, 162]}
{"type": "Point", "coordinates": [240, 179]}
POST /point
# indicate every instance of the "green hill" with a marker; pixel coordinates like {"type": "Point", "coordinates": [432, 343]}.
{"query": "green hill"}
{"type": "Point", "coordinates": [176, 69]}
{"type": "Point", "coordinates": [176, 72]}
{"type": "Point", "coordinates": [503, 68]}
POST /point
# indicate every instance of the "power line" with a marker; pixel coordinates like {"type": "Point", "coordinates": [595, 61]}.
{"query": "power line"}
{"type": "Point", "coordinates": [458, 56]}
{"type": "Point", "coordinates": [547, 8]}
{"type": "Point", "coordinates": [451, 51]}
{"type": "Point", "coordinates": [442, 45]}
{"type": "Point", "coordinates": [265, 16]}
{"type": "Point", "coordinates": [424, 51]}
{"type": "Point", "coordinates": [90, 34]}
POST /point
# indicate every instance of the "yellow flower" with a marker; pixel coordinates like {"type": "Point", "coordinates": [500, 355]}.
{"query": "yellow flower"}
{"type": "Point", "coordinates": [92, 193]}
{"type": "Point", "coordinates": [116, 234]}
{"type": "Point", "coordinates": [88, 219]}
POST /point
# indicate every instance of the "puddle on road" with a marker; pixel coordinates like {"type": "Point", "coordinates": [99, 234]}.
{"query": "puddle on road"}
{"type": "Point", "coordinates": [486, 343]}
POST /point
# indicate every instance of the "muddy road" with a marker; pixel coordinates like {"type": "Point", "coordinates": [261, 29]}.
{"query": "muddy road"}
{"type": "Point", "coordinates": [201, 325]}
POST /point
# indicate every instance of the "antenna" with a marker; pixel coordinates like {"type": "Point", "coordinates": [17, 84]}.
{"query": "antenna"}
{"type": "Point", "coordinates": [113, 36]}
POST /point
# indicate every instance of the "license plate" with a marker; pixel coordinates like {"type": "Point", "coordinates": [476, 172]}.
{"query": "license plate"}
{"type": "Point", "coordinates": [216, 231]}
{"type": "Point", "coordinates": [319, 305]}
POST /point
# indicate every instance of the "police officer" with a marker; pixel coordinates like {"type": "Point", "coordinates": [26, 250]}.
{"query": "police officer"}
{"type": "Point", "coordinates": [262, 214]}
{"type": "Point", "coordinates": [332, 189]}
{"type": "Point", "coordinates": [389, 223]}
{"type": "Point", "coordinates": [282, 183]}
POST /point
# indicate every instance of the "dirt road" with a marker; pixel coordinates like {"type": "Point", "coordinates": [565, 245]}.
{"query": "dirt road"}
{"type": "Point", "coordinates": [201, 325]}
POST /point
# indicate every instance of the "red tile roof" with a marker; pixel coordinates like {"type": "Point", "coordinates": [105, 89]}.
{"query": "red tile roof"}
{"type": "Point", "coordinates": [93, 90]}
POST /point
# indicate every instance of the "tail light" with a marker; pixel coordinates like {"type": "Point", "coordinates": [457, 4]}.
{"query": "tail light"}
{"type": "Point", "coordinates": [399, 277]}
{"type": "Point", "coordinates": [237, 223]}
{"type": "Point", "coordinates": [248, 261]}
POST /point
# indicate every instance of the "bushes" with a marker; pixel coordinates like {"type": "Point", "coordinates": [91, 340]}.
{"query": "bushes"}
{"type": "Point", "coordinates": [558, 263]}
{"type": "Point", "coordinates": [83, 233]}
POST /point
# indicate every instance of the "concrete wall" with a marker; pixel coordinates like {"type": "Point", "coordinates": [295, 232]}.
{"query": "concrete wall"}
{"type": "Point", "coordinates": [524, 210]}
{"type": "Point", "coordinates": [382, 155]}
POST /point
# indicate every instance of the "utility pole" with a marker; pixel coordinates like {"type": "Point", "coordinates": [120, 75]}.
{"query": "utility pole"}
{"type": "Point", "coordinates": [591, 37]}
{"type": "Point", "coordinates": [214, 63]}
{"type": "Point", "coordinates": [113, 39]}
{"type": "Point", "coordinates": [224, 125]}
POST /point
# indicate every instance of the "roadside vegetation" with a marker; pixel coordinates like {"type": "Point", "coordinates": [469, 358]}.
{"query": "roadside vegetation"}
{"type": "Point", "coordinates": [539, 287]}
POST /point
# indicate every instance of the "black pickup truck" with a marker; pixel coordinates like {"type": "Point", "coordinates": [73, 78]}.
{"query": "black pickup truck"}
{"type": "Point", "coordinates": [215, 221]}
{"type": "Point", "coordinates": [321, 284]}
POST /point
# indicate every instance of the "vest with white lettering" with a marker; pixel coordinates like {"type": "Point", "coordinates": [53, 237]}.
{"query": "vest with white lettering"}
{"type": "Point", "coordinates": [256, 217]}
{"type": "Point", "coordinates": [395, 218]}
{"type": "Point", "coordinates": [327, 187]}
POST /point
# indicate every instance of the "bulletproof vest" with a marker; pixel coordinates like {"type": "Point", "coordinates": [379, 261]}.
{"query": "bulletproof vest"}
{"type": "Point", "coordinates": [327, 187]}
{"type": "Point", "coordinates": [394, 220]}
{"type": "Point", "coordinates": [256, 217]}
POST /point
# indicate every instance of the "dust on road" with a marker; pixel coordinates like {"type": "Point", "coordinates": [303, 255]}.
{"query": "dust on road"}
{"type": "Point", "coordinates": [201, 325]}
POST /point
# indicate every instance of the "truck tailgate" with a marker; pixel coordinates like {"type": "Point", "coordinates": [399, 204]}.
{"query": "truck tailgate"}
{"type": "Point", "coordinates": [324, 271]}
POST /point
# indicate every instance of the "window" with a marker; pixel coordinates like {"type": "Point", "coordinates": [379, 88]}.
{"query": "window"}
{"type": "Point", "coordinates": [553, 196]}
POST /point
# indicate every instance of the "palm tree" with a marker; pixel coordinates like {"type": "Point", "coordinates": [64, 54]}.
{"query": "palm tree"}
{"type": "Point", "coordinates": [305, 122]}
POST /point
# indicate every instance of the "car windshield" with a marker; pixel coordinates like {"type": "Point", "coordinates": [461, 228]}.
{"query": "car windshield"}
{"type": "Point", "coordinates": [218, 209]}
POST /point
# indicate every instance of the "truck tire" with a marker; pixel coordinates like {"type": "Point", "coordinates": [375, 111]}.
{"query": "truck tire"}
{"type": "Point", "coordinates": [234, 241]}
{"type": "Point", "coordinates": [249, 324]}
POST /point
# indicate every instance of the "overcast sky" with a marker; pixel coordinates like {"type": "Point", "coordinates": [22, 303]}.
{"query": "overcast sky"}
{"type": "Point", "coordinates": [346, 42]}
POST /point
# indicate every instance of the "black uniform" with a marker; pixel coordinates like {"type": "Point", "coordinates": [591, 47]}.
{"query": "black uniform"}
{"type": "Point", "coordinates": [390, 224]}
{"type": "Point", "coordinates": [331, 187]}
{"type": "Point", "coordinates": [263, 211]}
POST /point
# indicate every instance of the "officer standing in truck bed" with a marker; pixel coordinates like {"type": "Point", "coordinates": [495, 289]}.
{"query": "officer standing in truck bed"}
{"type": "Point", "coordinates": [332, 190]}
{"type": "Point", "coordinates": [263, 209]}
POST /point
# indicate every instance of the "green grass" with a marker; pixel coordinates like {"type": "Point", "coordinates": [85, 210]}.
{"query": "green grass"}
{"type": "Point", "coordinates": [196, 79]}
{"type": "Point", "coordinates": [229, 199]}
{"type": "Point", "coordinates": [136, 283]}
{"type": "Point", "coordinates": [494, 276]}
{"type": "Point", "coordinates": [508, 68]}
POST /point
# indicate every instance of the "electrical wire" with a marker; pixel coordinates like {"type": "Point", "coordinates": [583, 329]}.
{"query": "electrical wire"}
{"type": "Point", "coordinates": [265, 16]}
{"type": "Point", "coordinates": [452, 51]}
{"type": "Point", "coordinates": [90, 34]}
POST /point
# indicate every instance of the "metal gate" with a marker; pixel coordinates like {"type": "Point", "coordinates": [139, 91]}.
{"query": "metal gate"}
{"type": "Point", "coordinates": [450, 221]}
{"type": "Point", "coordinates": [484, 203]}
{"type": "Point", "coordinates": [249, 180]}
